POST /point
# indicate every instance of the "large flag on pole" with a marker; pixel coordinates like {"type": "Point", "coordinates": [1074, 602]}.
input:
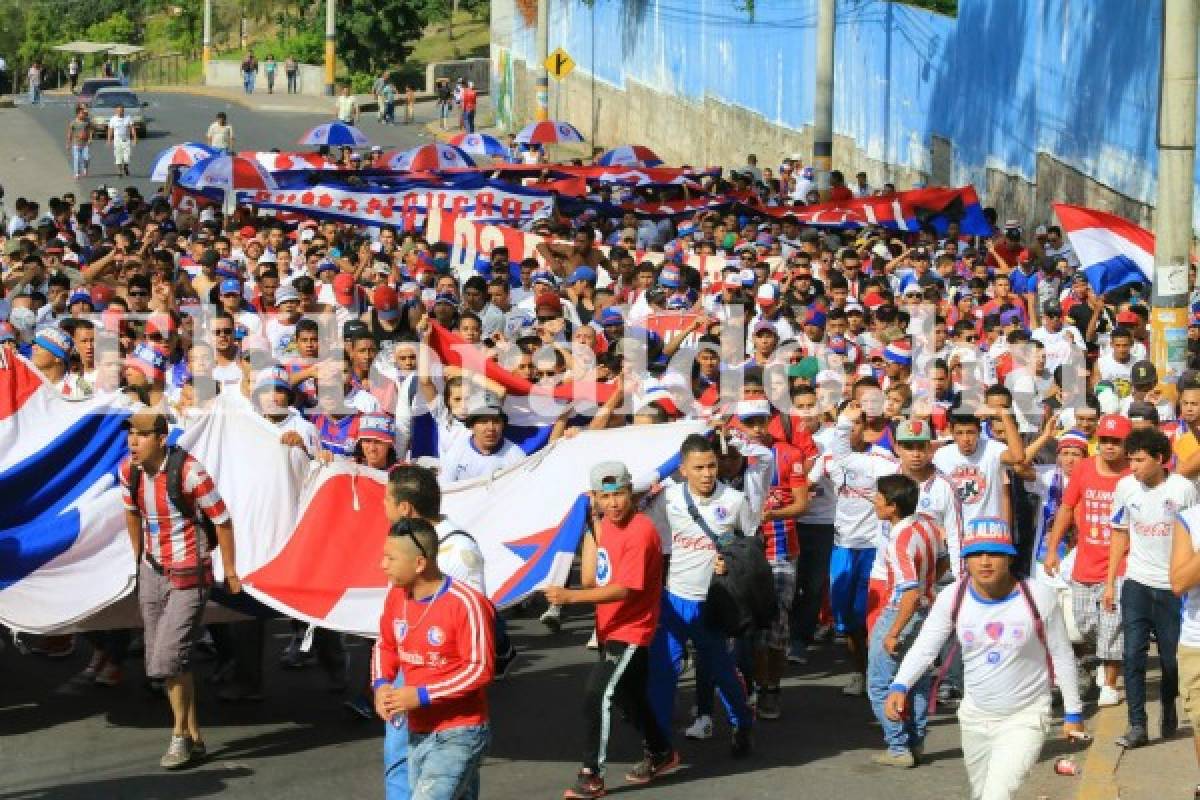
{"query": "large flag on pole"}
{"type": "Point", "coordinates": [1112, 251]}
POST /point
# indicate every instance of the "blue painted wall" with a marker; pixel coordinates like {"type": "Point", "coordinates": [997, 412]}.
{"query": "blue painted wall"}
{"type": "Point", "coordinates": [1077, 79]}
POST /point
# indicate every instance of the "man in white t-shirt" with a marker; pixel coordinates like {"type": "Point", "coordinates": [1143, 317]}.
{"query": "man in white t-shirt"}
{"type": "Point", "coordinates": [977, 467]}
{"type": "Point", "coordinates": [220, 134]}
{"type": "Point", "coordinates": [1062, 342]}
{"type": "Point", "coordinates": [486, 450]}
{"type": "Point", "coordinates": [347, 107]}
{"type": "Point", "coordinates": [122, 136]}
{"type": "Point", "coordinates": [1185, 582]}
{"type": "Point", "coordinates": [1145, 505]}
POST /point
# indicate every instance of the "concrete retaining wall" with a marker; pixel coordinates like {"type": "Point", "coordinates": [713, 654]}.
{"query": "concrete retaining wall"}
{"type": "Point", "coordinates": [477, 70]}
{"type": "Point", "coordinates": [311, 77]}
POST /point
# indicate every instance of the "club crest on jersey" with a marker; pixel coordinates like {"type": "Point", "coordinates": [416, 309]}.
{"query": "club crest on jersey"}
{"type": "Point", "coordinates": [603, 567]}
{"type": "Point", "coordinates": [969, 484]}
{"type": "Point", "coordinates": [399, 629]}
{"type": "Point", "coordinates": [926, 502]}
{"type": "Point", "coordinates": [993, 657]}
{"type": "Point", "coordinates": [436, 636]}
{"type": "Point", "coordinates": [721, 513]}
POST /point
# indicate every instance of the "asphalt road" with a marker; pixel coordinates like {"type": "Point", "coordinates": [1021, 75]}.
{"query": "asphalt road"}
{"type": "Point", "coordinates": [176, 118]}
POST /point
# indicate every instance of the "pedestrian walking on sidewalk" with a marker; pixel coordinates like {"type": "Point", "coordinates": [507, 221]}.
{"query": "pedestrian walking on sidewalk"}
{"type": "Point", "coordinates": [79, 136]}
{"type": "Point", "coordinates": [292, 70]}
{"type": "Point", "coordinates": [269, 67]}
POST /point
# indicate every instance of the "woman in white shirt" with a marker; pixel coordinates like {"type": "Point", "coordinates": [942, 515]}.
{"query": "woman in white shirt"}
{"type": "Point", "coordinates": [1014, 649]}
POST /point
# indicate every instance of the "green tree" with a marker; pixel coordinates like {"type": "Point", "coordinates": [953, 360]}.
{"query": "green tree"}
{"type": "Point", "coordinates": [117, 28]}
{"type": "Point", "coordinates": [371, 33]}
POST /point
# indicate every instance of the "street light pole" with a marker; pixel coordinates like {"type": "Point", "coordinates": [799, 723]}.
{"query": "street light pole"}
{"type": "Point", "coordinates": [1173, 209]}
{"type": "Point", "coordinates": [207, 56]}
{"type": "Point", "coordinates": [543, 53]}
{"type": "Point", "coordinates": [330, 38]}
{"type": "Point", "coordinates": [823, 104]}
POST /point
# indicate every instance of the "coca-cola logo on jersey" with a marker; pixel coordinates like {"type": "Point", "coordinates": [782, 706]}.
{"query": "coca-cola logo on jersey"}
{"type": "Point", "coordinates": [1153, 530]}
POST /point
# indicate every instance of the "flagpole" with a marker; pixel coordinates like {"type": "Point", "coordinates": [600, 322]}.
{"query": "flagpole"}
{"type": "Point", "coordinates": [1176, 169]}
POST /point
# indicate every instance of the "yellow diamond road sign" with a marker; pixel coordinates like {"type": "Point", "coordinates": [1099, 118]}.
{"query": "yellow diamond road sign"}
{"type": "Point", "coordinates": [559, 64]}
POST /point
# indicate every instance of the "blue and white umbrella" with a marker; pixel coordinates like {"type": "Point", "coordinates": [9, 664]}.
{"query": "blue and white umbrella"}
{"type": "Point", "coordinates": [230, 174]}
{"type": "Point", "coordinates": [480, 144]}
{"type": "Point", "coordinates": [630, 155]}
{"type": "Point", "coordinates": [179, 155]}
{"type": "Point", "coordinates": [335, 134]}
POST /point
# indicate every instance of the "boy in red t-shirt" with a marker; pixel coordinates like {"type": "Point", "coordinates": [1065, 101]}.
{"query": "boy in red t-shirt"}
{"type": "Point", "coordinates": [622, 574]}
{"type": "Point", "coordinates": [1087, 503]}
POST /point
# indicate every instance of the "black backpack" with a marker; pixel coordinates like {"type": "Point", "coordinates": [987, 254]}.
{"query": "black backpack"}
{"type": "Point", "coordinates": [174, 467]}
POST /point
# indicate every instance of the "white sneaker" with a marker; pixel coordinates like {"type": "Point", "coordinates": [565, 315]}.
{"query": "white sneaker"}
{"type": "Point", "coordinates": [856, 686]}
{"type": "Point", "coordinates": [552, 618]}
{"type": "Point", "coordinates": [1109, 696]}
{"type": "Point", "coordinates": [594, 642]}
{"type": "Point", "coordinates": [701, 728]}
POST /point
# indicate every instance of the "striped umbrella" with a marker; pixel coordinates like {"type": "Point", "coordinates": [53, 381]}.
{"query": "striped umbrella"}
{"type": "Point", "coordinates": [631, 155]}
{"type": "Point", "coordinates": [179, 155]}
{"type": "Point", "coordinates": [335, 134]}
{"type": "Point", "coordinates": [429, 158]}
{"type": "Point", "coordinates": [549, 132]}
{"type": "Point", "coordinates": [230, 174]}
{"type": "Point", "coordinates": [479, 144]}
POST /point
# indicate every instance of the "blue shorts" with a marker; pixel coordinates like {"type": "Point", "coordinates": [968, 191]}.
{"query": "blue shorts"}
{"type": "Point", "coordinates": [849, 576]}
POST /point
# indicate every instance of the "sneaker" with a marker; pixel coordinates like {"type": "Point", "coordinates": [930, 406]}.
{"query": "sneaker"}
{"type": "Point", "coordinates": [1170, 722]}
{"type": "Point", "coordinates": [903, 759]}
{"type": "Point", "coordinates": [360, 706]}
{"type": "Point", "coordinates": [504, 663]}
{"type": "Point", "coordinates": [109, 675]}
{"type": "Point", "coordinates": [179, 753]}
{"type": "Point", "coordinates": [742, 741]}
{"type": "Point", "coordinates": [236, 693]}
{"type": "Point", "coordinates": [294, 658]}
{"type": "Point", "coordinates": [552, 618]}
{"type": "Point", "coordinates": [94, 666]}
{"type": "Point", "coordinates": [1136, 736]}
{"type": "Point", "coordinates": [798, 654]}
{"type": "Point", "coordinates": [593, 642]}
{"type": "Point", "coordinates": [652, 767]}
{"type": "Point", "coordinates": [587, 785]}
{"type": "Point", "coordinates": [768, 703]}
{"type": "Point", "coordinates": [856, 686]}
{"type": "Point", "coordinates": [1108, 697]}
{"type": "Point", "coordinates": [701, 728]}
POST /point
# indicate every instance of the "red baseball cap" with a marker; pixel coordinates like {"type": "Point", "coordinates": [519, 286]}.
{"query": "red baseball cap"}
{"type": "Point", "coordinates": [386, 302]}
{"type": "Point", "coordinates": [160, 323]}
{"type": "Point", "coordinates": [1114, 426]}
{"type": "Point", "coordinates": [1128, 317]}
{"type": "Point", "coordinates": [248, 232]}
{"type": "Point", "coordinates": [549, 301]}
{"type": "Point", "coordinates": [343, 288]}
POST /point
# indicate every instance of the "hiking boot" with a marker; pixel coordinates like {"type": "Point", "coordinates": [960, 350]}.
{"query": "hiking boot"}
{"type": "Point", "coordinates": [587, 785]}
{"type": "Point", "coordinates": [742, 741]}
{"type": "Point", "coordinates": [179, 753]}
{"type": "Point", "coordinates": [1133, 738]}
{"type": "Point", "coordinates": [888, 758]}
{"type": "Point", "coordinates": [768, 703]}
{"type": "Point", "coordinates": [701, 728]}
{"type": "Point", "coordinates": [653, 766]}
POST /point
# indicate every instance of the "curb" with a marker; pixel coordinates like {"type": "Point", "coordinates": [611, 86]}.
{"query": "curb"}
{"type": "Point", "coordinates": [1100, 767]}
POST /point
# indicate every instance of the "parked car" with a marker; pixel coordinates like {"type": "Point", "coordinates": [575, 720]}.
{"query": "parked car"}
{"type": "Point", "coordinates": [92, 85]}
{"type": "Point", "coordinates": [107, 100]}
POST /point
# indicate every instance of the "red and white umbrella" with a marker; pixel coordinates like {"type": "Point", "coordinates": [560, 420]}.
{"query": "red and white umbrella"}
{"type": "Point", "coordinates": [549, 132]}
{"type": "Point", "coordinates": [480, 144]}
{"type": "Point", "coordinates": [179, 155]}
{"type": "Point", "coordinates": [429, 158]}
{"type": "Point", "coordinates": [230, 174]}
{"type": "Point", "coordinates": [631, 155]}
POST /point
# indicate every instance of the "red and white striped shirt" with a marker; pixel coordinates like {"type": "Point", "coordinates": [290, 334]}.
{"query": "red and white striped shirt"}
{"type": "Point", "coordinates": [910, 559]}
{"type": "Point", "coordinates": [169, 537]}
{"type": "Point", "coordinates": [444, 646]}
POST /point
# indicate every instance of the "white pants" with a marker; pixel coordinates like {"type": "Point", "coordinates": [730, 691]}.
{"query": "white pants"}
{"type": "Point", "coordinates": [121, 151]}
{"type": "Point", "coordinates": [999, 750]}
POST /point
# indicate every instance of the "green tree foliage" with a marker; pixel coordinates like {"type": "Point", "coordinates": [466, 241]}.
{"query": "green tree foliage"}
{"type": "Point", "coordinates": [371, 33]}
{"type": "Point", "coordinates": [117, 28]}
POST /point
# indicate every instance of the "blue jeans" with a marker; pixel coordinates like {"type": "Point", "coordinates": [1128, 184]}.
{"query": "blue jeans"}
{"type": "Point", "coordinates": [1144, 609]}
{"type": "Point", "coordinates": [444, 765]}
{"type": "Point", "coordinates": [248, 81]}
{"type": "Point", "coordinates": [35, 95]}
{"type": "Point", "coordinates": [469, 121]}
{"type": "Point", "coordinates": [900, 737]}
{"type": "Point", "coordinates": [682, 620]}
{"type": "Point", "coordinates": [395, 754]}
{"type": "Point", "coordinates": [79, 159]}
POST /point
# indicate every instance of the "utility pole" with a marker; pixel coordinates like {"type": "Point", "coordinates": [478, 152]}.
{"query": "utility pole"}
{"type": "Point", "coordinates": [543, 52]}
{"type": "Point", "coordinates": [207, 56]}
{"type": "Point", "coordinates": [330, 37]}
{"type": "Point", "coordinates": [1173, 210]}
{"type": "Point", "coordinates": [823, 105]}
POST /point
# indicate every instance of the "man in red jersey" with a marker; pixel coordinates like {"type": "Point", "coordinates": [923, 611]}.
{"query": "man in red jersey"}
{"type": "Point", "coordinates": [1088, 503]}
{"type": "Point", "coordinates": [622, 575]}
{"type": "Point", "coordinates": [439, 633]}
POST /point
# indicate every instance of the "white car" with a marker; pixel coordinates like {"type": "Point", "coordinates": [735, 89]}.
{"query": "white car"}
{"type": "Point", "coordinates": [105, 103]}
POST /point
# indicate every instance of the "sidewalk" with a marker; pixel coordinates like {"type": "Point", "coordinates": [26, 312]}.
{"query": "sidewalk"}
{"type": "Point", "coordinates": [279, 102]}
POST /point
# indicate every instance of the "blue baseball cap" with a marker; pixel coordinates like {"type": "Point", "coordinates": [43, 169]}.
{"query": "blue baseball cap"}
{"type": "Point", "coordinates": [231, 286]}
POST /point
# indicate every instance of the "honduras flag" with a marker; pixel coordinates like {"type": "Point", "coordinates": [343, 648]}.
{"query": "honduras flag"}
{"type": "Point", "coordinates": [527, 520]}
{"type": "Point", "coordinates": [1113, 252]}
{"type": "Point", "coordinates": [64, 551]}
